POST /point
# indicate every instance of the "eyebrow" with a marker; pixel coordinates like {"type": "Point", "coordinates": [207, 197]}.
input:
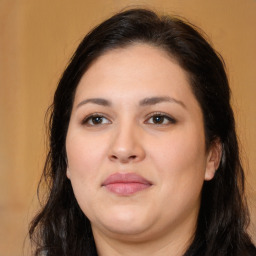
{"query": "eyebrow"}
{"type": "Point", "coordinates": [156, 100]}
{"type": "Point", "coordinates": [145, 102]}
{"type": "Point", "coordinates": [98, 101]}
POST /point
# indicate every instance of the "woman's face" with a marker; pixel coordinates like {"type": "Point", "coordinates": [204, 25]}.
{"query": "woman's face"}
{"type": "Point", "coordinates": [136, 146]}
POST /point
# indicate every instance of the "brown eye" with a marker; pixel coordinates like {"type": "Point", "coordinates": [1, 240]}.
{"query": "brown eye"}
{"type": "Point", "coordinates": [95, 120]}
{"type": "Point", "coordinates": [160, 119]}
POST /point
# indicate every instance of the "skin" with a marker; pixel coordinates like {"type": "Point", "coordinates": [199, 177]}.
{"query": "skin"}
{"type": "Point", "coordinates": [131, 137]}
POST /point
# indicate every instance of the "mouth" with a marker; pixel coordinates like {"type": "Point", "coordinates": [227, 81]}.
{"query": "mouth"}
{"type": "Point", "coordinates": [125, 184]}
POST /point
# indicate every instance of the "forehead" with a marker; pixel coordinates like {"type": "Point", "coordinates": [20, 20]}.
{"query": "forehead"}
{"type": "Point", "coordinates": [141, 68]}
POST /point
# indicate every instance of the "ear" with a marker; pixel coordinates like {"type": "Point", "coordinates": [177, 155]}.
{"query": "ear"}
{"type": "Point", "coordinates": [213, 159]}
{"type": "Point", "coordinates": [68, 174]}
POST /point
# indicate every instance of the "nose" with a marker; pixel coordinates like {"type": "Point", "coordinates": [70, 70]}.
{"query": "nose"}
{"type": "Point", "coordinates": [127, 145]}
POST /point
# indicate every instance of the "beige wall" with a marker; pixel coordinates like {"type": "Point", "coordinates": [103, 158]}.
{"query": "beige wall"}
{"type": "Point", "coordinates": [36, 40]}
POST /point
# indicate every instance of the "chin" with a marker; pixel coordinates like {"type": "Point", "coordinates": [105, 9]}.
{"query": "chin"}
{"type": "Point", "coordinates": [127, 223]}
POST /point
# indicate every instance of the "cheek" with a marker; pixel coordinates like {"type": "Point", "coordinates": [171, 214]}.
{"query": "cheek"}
{"type": "Point", "coordinates": [180, 149]}
{"type": "Point", "coordinates": [181, 162]}
{"type": "Point", "coordinates": [181, 165]}
{"type": "Point", "coordinates": [85, 154]}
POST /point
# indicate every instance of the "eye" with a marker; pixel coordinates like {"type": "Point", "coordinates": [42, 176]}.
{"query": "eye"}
{"type": "Point", "coordinates": [95, 120]}
{"type": "Point", "coordinates": [160, 119]}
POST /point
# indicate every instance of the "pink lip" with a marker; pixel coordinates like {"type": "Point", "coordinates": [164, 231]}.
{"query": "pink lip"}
{"type": "Point", "coordinates": [126, 183]}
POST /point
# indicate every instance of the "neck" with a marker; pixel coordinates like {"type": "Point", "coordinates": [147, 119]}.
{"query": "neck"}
{"type": "Point", "coordinates": [174, 244]}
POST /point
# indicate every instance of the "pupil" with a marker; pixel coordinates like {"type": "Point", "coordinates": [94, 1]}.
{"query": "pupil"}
{"type": "Point", "coordinates": [158, 119]}
{"type": "Point", "coordinates": [97, 120]}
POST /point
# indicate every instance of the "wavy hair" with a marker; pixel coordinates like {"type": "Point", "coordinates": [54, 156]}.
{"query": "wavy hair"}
{"type": "Point", "coordinates": [61, 228]}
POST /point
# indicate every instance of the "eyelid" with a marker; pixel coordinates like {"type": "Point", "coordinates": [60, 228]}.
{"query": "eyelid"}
{"type": "Point", "coordinates": [171, 119]}
{"type": "Point", "coordinates": [96, 114]}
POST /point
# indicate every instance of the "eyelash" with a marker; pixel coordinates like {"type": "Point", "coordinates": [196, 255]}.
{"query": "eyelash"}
{"type": "Point", "coordinates": [163, 116]}
{"type": "Point", "coordinates": [170, 120]}
{"type": "Point", "coordinates": [89, 118]}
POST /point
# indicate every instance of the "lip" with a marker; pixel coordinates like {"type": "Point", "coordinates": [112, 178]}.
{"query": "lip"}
{"type": "Point", "coordinates": [126, 183]}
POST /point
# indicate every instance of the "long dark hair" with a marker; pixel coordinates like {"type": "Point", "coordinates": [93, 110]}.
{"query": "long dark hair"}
{"type": "Point", "coordinates": [61, 228]}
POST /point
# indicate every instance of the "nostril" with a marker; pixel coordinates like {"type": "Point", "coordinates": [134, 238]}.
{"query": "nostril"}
{"type": "Point", "coordinates": [114, 157]}
{"type": "Point", "coordinates": [123, 158]}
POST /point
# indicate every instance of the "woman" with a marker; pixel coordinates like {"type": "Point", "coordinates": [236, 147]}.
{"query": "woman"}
{"type": "Point", "coordinates": [143, 153]}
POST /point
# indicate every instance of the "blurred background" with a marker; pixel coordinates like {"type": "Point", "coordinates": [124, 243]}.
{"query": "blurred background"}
{"type": "Point", "coordinates": [37, 38]}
